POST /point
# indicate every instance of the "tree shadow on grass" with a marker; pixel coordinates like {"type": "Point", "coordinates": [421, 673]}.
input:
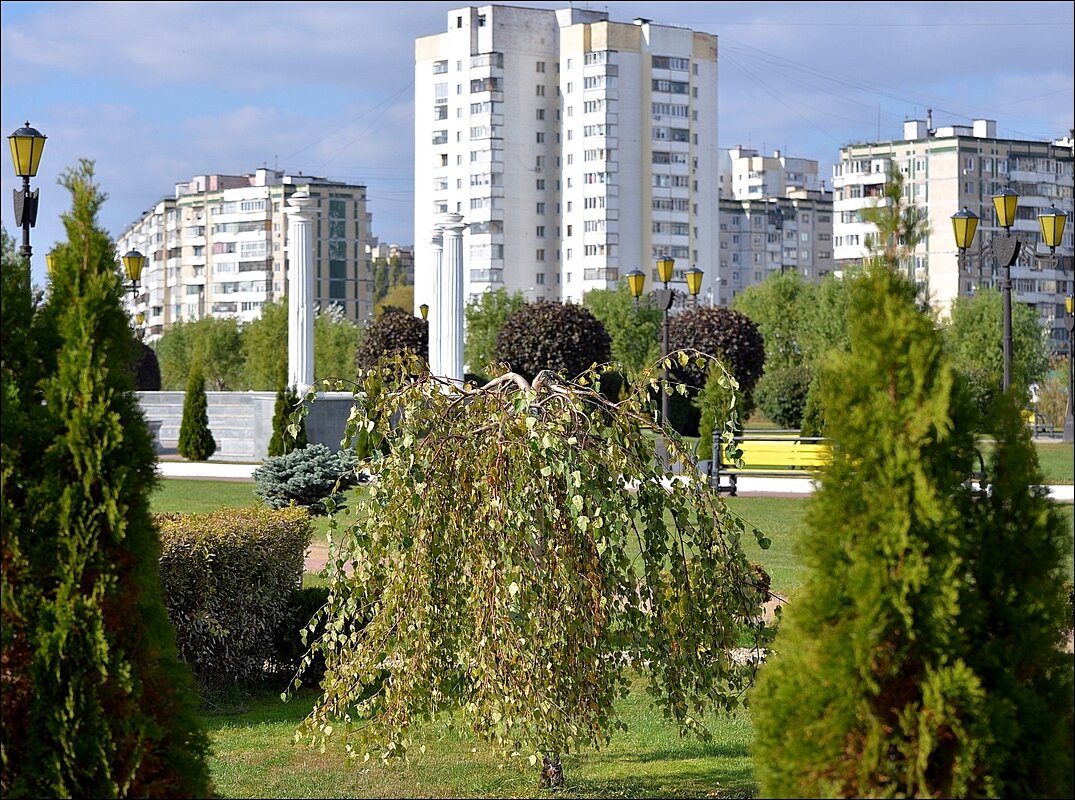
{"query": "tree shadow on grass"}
{"type": "Point", "coordinates": [738, 782]}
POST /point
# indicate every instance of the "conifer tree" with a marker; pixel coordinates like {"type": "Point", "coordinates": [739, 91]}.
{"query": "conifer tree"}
{"type": "Point", "coordinates": [95, 700]}
{"type": "Point", "coordinates": [282, 441]}
{"type": "Point", "coordinates": [922, 655]}
{"type": "Point", "coordinates": [196, 442]}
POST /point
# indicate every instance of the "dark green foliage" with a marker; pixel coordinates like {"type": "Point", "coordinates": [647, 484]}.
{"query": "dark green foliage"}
{"type": "Point", "coordinates": [282, 442]}
{"type": "Point", "coordinates": [196, 442]}
{"type": "Point", "coordinates": [95, 700]}
{"type": "Point", "coordinates": [635, 328]}
{"type": "Point", "coordinates": [290, 643]}
{"type": "Point", "coordinates": [813, 421]}
{"type": "Point", "coordinates": [715, 403]}
{"type": "Point", "coordinates": [484, 318]}
{"type": "Point", "coordinates": [147, 371]}
{"type": "Point", "coordinates": [228, 577]}
{"type": "Point", "coordinates": [308, 477]}
{"type": "Point", "coordinates": [393, 332]}
{"type": "Point", "coordinates": [922, 656]}
{"type": "Point", "coordinates": [781, 395]}
{"type": "Point", "coordinates": [562, 337]}
{"type": "Point", "coordinates": [974, 335]}
{"type": "Point", "coordinates": [215, 342]}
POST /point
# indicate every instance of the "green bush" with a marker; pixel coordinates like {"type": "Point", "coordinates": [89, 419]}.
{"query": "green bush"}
{"type": "Point", "coordinates": [713, 402]}
{"type": "Point", "coordinates": [781, 395]}
{"type": "Point", "coordinates": [561, 337]}
{"type": "Point", "coordinates": [196, 442]}
{"type": "Point", "coordinates": [147, 370]}
{"type": "Point", "coordinates": [813, 421]}
{"type": "Point", "coordinates": [228, 577]}
{"type": "Point", "coordinates": [306, 477]}
{"type": "Point", "coordinates": [395, 331]}
{"type": "Point", "coordinates": [282, 442]}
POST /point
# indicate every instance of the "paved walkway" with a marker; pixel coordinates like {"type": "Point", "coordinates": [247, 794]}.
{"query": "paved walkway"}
{"type": "Point", "coordinates": [747, 486]}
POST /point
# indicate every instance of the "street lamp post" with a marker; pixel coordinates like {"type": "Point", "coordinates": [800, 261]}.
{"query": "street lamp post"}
{"type": "Point", "coordinates": [133, 264]}
{"type": "Point", "coordinates": [663, 299]}
{"type": "Point", "coordinates": [1004, 249]}
{"type": "Point", "coordinates": [27, 144]}
{"type": "Point", "coordinates": [1069, 417]}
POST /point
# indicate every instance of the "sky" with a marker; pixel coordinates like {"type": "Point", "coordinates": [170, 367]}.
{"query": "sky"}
{"type": "Point", "coordinates": [156, 93]}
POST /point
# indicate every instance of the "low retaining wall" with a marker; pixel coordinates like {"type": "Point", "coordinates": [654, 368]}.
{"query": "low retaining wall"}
{"type": "Point", "coordinates": [241, 422]}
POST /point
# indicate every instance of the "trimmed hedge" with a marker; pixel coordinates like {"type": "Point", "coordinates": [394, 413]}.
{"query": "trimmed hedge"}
{"type": "Point", "coordinates": [227, 578]}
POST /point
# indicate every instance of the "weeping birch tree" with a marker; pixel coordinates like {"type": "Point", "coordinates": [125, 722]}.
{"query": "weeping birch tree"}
{"type": "Point", "coordinates": [518, 560]}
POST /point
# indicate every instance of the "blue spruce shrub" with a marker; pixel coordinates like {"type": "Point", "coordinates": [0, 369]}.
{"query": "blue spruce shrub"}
{"type": "Point", "coordinates": [306, 477]}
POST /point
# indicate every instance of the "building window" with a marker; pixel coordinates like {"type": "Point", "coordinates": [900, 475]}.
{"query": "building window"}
{"type": "Point", "coordinates": [540, 90]}
{"type": "Point", "coordinates": [539, 278]}
{"type": "Point", "coordinates": [541, 66]}
{"type": "Point", "coordinates": [540, 231]}
{"type": "Point", "coordinates": [539, 255]}
{"type": "Point", "coordinates": [540, 208]}
{"type": "Point", "coordinates": [440, 67]}
{"type": "Point", "coordinates": [541, 113]}
{"type": "Point", "coordinates": [540, 184]}
{"type": "Point", "coordinates": [540, 137]}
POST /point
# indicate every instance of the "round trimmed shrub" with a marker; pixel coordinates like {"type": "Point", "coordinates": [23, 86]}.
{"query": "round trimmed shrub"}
{"type": "Point", "coordinates": [723, 333]}
{"type": "Point", "coordinates": [395, 331]}
{"type": "Point", "coordinates": [562, 337]}
{"type": "Point", "coordinates": [147, 369]}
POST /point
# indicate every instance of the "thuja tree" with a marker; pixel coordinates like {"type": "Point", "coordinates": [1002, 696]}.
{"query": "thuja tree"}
{"type": "Point", "coordinates": [922, 656]}
{"type": "Point", "coordinates": [95, 700]}
{"type": "Point", "coordinates": [196, 442]}
{"type": "Point", "coordinates": [283, 441]}
{"type": "Point", "coordinates": [489, 577]}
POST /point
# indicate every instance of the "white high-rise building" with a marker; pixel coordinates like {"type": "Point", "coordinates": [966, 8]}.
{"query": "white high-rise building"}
{"type": "Point", "coordinates": [219, 249]}
{"type": "Point", "coordinates": [576, 149]}
{"type": "Point", "coordinates": [950, 168]}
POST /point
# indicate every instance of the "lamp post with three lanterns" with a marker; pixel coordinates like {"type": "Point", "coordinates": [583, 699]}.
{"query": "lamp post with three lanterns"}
{"type": "Point", "coordinates": [1004, 249]}
{"type": "Point", "coordinates": [663, 299]}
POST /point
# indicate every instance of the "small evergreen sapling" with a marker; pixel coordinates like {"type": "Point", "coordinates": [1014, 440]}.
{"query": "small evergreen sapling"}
{"type": "Point", "coordinates": [196, 442]}
{"type": "Point", "coordinates": [282, 441]}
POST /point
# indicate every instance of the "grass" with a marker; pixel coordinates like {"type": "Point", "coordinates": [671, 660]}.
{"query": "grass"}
{"type": "Point", "coordinates": [1057, 461]}
{"type": "Point", "coordinates": [254, 756]}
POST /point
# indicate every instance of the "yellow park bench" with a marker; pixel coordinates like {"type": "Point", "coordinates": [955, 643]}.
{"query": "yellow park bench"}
{"type": "Point", "coordinates": [769, 455]}
{"type": "Point", "coordinates": [784, 454]}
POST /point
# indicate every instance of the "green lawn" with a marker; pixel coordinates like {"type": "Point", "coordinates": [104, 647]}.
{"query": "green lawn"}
{"type": "Point", "coordinates": [1057, 461]}
{"type": "Point", "coordinates": [254, 756]}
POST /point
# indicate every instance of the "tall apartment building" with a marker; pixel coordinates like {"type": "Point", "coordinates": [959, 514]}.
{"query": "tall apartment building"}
{"type": "Point", "coordinates": [774, 235]}
{"type": "Point", "coordinates": [576, 149]}
{"type": "Point", "coordinates": [775, 216]}
{"type": "Point", "coordinates": [955, 167]}
{"type": "Point", "coordinates": [747, 175]}
{"type": "Point", "coordinates": [218, 248]}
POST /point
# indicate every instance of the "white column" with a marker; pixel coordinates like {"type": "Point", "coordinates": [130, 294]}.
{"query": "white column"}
{"type": "Point", "coordinates": [451, 320]}
{"type": "Point", "coordinates": [300, 292]}
{"type": "Point", "coordinates": [435, 303]}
